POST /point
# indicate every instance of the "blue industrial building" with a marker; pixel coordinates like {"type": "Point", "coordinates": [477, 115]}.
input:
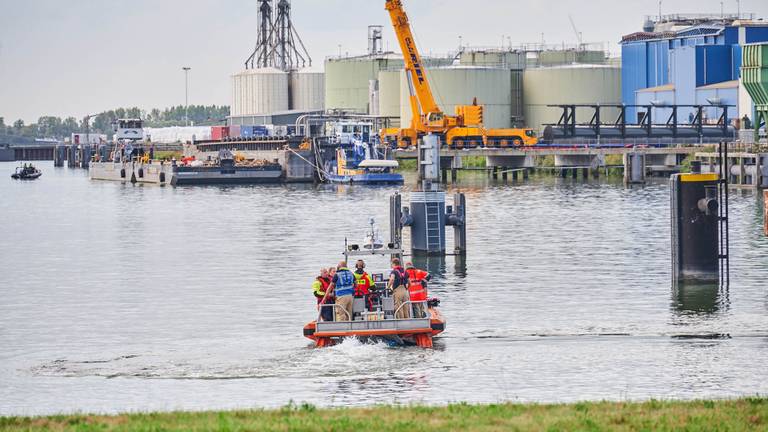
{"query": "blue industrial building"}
{"type": "Point", "coordinates": [688, 60]}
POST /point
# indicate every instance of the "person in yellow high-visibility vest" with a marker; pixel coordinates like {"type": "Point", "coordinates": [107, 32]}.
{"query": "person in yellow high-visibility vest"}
{"type": "Point", "coordinates": [363, 284]}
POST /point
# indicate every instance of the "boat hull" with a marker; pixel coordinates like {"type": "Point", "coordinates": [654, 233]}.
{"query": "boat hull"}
{"type": "Point", "coordinates": [367, 179]}
{"type": "Point", "coordinates": [26, 177]}
{"type": "Point", "coordinates": [216, 176]}
{"type": "Point", "coordinates": [416, 331]}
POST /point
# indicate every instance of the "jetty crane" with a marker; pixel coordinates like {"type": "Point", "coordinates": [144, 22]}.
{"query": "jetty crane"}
{"type": "Point", "coordinates": [465, 128]}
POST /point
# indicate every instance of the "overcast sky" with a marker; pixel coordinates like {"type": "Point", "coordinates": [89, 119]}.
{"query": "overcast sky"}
{"type": "Point", "coordinates": [75, 57]}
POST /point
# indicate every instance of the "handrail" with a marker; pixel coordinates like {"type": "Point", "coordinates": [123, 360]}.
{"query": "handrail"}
{"type": "Point", "coordinates": [411, 303]}
{"type": "Point", "coordinates": [334, 306]}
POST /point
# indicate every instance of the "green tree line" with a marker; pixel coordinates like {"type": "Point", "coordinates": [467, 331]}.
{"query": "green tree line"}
{"type": "Point", "coordinates": [58, 128]}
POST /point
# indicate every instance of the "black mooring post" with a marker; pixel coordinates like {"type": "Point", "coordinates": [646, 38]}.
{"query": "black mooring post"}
{"type": "Point", "coordinates": [727, 223]}
{"type": "Point", "coordinates": [459, 222]}
{"type": "Point", "coordinates": [696, 220]}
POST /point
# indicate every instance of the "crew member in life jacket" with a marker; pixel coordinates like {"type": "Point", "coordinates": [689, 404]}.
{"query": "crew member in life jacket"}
{"type": "Point", "coordinates": [320, 289]}
{"type": "Point", "coordinates": [363, 284]}
{"type": "Point", "coordinates": [417, 288]}
{"type": "Point", "coordinates": [398, 282]}
{"type": "Point", "coordinates": [343, 288]}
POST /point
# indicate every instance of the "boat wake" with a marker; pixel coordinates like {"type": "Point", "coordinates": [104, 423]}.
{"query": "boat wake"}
{"type": "Point", "coordinates": [351, 358]}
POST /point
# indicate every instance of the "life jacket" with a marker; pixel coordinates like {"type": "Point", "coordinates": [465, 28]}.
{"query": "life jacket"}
{"type": "Point", "coordinates": [401, 277]}
{"type": "Point", "coordinates": [344, 282]}
{"type": "Point", "coordinates": [416, 288]}
{"type": "Point", "coordinates": [363, 284]}
{"type": "Point", "coordinates": [320, 287]}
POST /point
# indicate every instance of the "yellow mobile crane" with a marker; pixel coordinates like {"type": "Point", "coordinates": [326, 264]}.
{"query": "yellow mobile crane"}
{"type": "Point", "coordinates": [464, 129]}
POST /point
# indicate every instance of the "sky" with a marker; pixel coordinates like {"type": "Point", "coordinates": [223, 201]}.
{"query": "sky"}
{"type": "Point", "coordinates": [79, 57]}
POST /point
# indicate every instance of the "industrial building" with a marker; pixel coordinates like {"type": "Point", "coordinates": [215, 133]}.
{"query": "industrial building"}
{"type": "Point", "coordinates": [688, 60]}
{"type": "Point", "coordinates": [676, 60]}
{"type": "Point", "coordinates": [514, 84]}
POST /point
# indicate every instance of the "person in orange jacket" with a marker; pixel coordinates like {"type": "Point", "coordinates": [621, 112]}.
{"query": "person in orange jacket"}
{"type": "Point", "coordinates": [417, 289]}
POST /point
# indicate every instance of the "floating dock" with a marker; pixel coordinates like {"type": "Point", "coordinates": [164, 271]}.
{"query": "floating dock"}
{"type": "Point", "coordinates": [133, 172]}
{"type": "Point", "coordinates": [164, 173]}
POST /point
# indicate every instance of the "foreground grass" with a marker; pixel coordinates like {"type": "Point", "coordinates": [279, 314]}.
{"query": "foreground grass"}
{"type": "Point", "coordinates": [736, 415]}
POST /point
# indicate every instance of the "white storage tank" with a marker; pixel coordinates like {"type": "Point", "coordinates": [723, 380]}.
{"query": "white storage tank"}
{"type": "Point", "coordinates": [307, 90]}
{"type": "Point", "coordinates": [259, 91]}
{"type": "Point", "coordinates": [460, 86]}
{"type": "Point", "coordinates": [575, 84]}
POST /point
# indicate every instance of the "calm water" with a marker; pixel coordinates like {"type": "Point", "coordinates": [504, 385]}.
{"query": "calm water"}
{"type": "Point", "coordinates": [122, 298]}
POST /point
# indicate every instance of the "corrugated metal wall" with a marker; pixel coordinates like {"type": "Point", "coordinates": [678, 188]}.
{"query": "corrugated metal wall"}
{"type": "Point", "coordinates": [634, 73]}
{"type": "Point", "coordinates": [726, 96]}
{"type": "Point", "coordinates": [713, 64]}
{"type": "Point", "coordinates": [659, 115]}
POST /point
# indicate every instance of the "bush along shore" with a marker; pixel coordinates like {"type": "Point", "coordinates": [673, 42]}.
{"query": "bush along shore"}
{"type": "Point", "coordinates": [728, 415]}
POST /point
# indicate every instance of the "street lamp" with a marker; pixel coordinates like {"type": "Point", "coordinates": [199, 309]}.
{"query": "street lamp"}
{"type": "Point", "coordinates": [186, 70]}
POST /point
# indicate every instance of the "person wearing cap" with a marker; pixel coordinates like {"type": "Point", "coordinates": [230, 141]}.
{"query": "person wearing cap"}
{"type": "Point", "coordinates": [417, 289]}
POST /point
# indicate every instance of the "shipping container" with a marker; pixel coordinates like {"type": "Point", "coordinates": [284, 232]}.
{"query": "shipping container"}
{"type": "Point", "coordinates": [253, 131]}
{"type": "Point", "coordinates": [219, 133]}
{"type": "Point", "coordinates": [234, 131]}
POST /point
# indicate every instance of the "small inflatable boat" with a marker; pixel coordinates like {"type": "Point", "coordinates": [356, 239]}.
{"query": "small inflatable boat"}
{"type": "Point", "coordinates": [26, 173]}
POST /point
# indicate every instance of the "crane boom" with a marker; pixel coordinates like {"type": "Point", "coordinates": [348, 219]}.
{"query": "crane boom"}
{"type": "Point", "coordinates": [464, 128]}
{"type": "Point", "coordinates": [413, 63]}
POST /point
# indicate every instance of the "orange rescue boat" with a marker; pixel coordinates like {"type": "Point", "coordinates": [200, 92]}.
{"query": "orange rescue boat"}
{"type": "Point", "coordinates": [375, 317]}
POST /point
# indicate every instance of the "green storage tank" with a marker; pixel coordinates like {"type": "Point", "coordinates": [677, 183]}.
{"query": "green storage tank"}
{"type": "Point", "coordinates": [754, 75]}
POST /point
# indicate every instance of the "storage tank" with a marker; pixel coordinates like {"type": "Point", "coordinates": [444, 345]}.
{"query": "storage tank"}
{"type": "Point", "coordinates": [348, 81]}
{"type": "Point", "coordinates": [389, 94]}
{"type": "Point", "coordinates": [494, 58]}
{"type": "Point", "coordinates": [259, 91]}
{"type": "Point", "coordinates": [575, 84]}
{"type": "Point", "coordinates": [460, 86]}
{"type": "Point", "coordinates": [307, 91]}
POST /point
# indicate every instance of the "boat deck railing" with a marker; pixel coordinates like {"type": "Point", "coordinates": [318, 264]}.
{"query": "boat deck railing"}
{"type": "Point", "coordinates": [386, 315]}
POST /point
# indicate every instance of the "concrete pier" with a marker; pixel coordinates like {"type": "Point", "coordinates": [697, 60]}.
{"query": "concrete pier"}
{"type": "Point", "coordinates": [568, 161]}
{"type": "Point", "coordinates": [747, 170]}
{"type": "Point", "coordinates": [634, 168]}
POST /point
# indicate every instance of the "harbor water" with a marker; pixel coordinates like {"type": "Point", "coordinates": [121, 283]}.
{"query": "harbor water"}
{"type": "Point", "coordinates": [119, 298]}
